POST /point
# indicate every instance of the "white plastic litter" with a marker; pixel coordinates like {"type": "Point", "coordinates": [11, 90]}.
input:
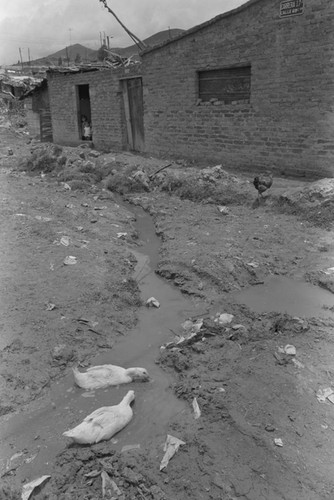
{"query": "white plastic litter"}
{"type": "Point", "coordinates": [171, 446]}
{"type": "Point", "coordinates": [197, 411]}
{"type": "Point", "coordinates": [152, 302]}
{"type": "Point", "coordinates": [278, 442]}
{"type": "Point", "coordinates": [70, 260]}
{"type": "Point", "coordinates": [288, 349]}
{"type": "Point", "coordinates": [109, 486]}
{"type": "Point", "coordinates": [29, 487]}
{"type": "Point", "coordinates": [323, 394]}
{"type": "Point", "coordinates": [223, 319]}
{"type": "Point", "coordinates": [65, 240]}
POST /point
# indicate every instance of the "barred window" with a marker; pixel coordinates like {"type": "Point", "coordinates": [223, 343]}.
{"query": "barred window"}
{"type": "Point", "coordinates": [225, 85]}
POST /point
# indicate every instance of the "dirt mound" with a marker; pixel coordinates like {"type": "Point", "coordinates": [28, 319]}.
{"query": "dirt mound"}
{"type": "Point", "coordinates": [314, 202]}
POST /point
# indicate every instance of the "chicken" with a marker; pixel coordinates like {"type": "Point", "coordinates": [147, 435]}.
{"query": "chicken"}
{"type": "Point", "coordinates": [262, 183]}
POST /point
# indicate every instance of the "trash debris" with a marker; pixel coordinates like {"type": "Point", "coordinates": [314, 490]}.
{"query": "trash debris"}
{"type": "Point", "coordinates": [171, 446]}
{"type": "Point", "coordinates": [288, 349]}
{"type": "Point", "coordinates": [121, 235]}
{"type": "Point", "coordinates": [52, 267]}
{"type": "Point", "coordinates": [50, 306]}
{"type": "Point", "coordinates": [29, 487]}
{"type": "Point", "coordinates": [152, 302]}
{"type": "Point", "coordinates": [197, 411]}
{"type": "Point", "coordinates": [28, 460]}
{"type": "Point", "coordinates": [70, 260]}
{"type": "Point", "coordinates": [67, 186]}
{"type": "Point", "coordinates": [70, 206]}
{"type": "Point", "coordinates": [223, 319]}
{"type": "Point", "coordinates": [297, 363]}
{"type": "Point", "coordinates": [100, 208]}
{"type": "Point", "coordinates": [44, 219]}
{"type": "Point", "coordinates": [79, 228]}
{"type": "Point", "coordinates": [65, 240]}
{"type": "Point", "coordinates": [278, 442]}
{"type": "Point", "coordinates": [192, 326]}
{"type": "Point", "coordinates": [142, 178]}
{"type": "Point", "coordinates": [223, 210]}
{"type": "Point", "coordinates": [253, 264]}
{"type": "Point", "coordinates": [330, 270]}
{"type": "Point", "coordinates": [323, 394]}
{"type": "Point", "coordinates": [93, 473]}
{"type": "Point", "coordinates": [9, 152]}
{"type": "Point", "coordinates": [129, 447]}
{"type": "Point", "coordinates": [193, 331]}
{"type": "Point", "coordinates": [331, 398]}
{"type": "Point", "coordinates": [109, 486]}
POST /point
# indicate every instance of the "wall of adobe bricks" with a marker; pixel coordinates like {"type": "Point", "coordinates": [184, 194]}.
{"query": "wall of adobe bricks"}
{"type": "Point", "coordinates": [287, 125]}
{"type": "Point", "coordinates": [106, 108]}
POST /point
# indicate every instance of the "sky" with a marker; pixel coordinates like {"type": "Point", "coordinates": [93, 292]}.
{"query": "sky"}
{"type": "Point", "coordinates": [42, 27]}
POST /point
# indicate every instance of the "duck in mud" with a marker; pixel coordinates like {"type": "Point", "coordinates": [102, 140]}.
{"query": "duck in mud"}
{"type": "Point", "coordinates": [99, 377]}
{"type": "Point", "coordinates": [103, 423]}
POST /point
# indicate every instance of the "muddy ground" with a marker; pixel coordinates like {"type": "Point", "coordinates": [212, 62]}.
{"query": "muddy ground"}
{"type": "Point", "coordinates": [216, 241]}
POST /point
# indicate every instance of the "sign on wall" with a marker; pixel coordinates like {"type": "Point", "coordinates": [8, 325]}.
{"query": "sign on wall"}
{"type": "Point", "coordinates": [291, 8]}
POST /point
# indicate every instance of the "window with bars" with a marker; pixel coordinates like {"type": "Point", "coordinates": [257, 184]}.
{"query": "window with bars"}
{"type": "Point", "coordinates": [225, 85]}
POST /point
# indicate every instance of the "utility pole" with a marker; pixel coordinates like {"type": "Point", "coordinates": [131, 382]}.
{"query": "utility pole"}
{"type": "Point", "coordinates": [29, 56]}
{"type": "Point", "coordinates": [70, 29]}
{"type": "Point", "coordinates": [21, 57]}
{"type": "Point", "coordinates": [100, 39]}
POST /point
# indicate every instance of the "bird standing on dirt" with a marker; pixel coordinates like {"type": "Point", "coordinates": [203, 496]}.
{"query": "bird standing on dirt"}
{"type": "Point", "coordinates": [262, 183]}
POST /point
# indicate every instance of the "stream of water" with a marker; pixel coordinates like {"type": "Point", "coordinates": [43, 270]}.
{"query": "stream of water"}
{"type": "Point", "coordinates": [38, 435]}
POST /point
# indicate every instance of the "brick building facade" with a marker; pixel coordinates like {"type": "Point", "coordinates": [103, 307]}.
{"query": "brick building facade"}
{"type": "Point", "coordinates": [275, 61]}
{"type": "Point", "coordinates": [95, 94]}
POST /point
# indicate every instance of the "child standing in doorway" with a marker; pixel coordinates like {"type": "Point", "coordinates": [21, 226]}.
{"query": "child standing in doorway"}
{"type": "Point", "coordinates": [86, 129]}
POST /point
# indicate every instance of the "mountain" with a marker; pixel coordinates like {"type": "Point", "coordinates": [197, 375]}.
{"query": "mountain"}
{"type": "Point", "coordinates": [85, 54]}
{"type": "Point", "coordinates": [73, 51]}
{"type": "Point", "coordinates": [156, 39]}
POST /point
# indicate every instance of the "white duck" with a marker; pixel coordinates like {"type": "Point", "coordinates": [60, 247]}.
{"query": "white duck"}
{"type": "Point", "coordinates": [98, 377]}
{"type": "Point", "coordinates": [103, 423]}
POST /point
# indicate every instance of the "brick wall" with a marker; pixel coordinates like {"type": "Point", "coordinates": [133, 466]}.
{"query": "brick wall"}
{"type": "Point", "coordinates": [106, 108]}
{"type": "Point", "coordinates": [288, 123]}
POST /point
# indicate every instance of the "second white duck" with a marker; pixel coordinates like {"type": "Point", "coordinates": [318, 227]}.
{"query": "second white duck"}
{"type": "Point", "coordinates": [103, 423]}
{"type": "Point", "coordinates": [99, 377]}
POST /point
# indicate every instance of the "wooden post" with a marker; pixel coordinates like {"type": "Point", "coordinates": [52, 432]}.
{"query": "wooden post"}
{"type": "Point", "coordinates": [127, 113]}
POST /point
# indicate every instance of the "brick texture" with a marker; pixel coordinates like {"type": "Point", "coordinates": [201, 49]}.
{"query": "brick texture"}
{"type": "Point", "coordinates": [288, 124]}
{"type": "Point", "coordinates": [106, 108]}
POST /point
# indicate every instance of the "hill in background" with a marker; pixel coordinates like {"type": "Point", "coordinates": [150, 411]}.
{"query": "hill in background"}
{"type": "Point", "coordinates": [84, 54]}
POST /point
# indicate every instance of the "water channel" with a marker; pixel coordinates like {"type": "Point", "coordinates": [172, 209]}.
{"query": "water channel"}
{"type": "Point", "coordinates": [33, 440]}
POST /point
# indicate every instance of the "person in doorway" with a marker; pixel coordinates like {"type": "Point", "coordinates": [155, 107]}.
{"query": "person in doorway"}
{"type": "Point", "coordinates": [86, 129]}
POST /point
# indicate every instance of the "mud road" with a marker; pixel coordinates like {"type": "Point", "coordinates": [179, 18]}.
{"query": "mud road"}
{"type": "Point", "coordinates": [265, 429]}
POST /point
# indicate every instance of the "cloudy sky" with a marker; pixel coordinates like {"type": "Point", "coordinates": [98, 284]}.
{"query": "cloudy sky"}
{"type": "Point", "coordinates": [46, 26]}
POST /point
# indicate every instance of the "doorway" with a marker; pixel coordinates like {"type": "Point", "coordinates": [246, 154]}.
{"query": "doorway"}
{"type": "Point", "coordinates": [134, 112]}
{"type": "Point", "coordinates": [84, 113]}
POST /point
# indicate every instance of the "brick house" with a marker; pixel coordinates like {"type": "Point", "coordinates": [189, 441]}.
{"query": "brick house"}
{"type": "Point", "coordinates": [253, 87]}
{"type": "Point", "coordinates": [106, 97]}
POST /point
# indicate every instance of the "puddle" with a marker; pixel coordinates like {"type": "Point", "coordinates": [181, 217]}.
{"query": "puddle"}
{"type": "Point", "coordinates": [281, 294]}
{"type": "Point", "coordinates": [40, 433]}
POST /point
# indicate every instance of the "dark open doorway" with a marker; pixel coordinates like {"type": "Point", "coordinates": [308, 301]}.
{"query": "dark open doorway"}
{"type": "Point", "coordinates": [84, 113]}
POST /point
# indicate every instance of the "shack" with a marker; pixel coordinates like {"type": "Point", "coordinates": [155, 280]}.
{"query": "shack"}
{"type": "Point", "coordinates": [108, 98]}
{"type": "Point", "coordinates": [37, 108]}
{"type": "Point", "coordinates": [250, 88]}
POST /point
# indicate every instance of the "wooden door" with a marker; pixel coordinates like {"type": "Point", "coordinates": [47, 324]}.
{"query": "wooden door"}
{"type": "Point", "coordinates": [134, 112]}
{"type": "Point", "coordinates": [45, 125]}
